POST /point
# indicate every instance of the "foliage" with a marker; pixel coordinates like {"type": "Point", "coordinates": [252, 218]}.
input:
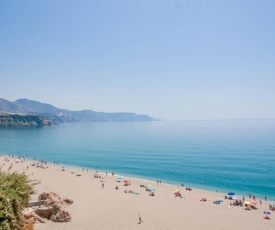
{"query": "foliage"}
{"type": "Point", "coordinates": [15, 192]}
{"type": "Point", "coordinates": [18, 120]}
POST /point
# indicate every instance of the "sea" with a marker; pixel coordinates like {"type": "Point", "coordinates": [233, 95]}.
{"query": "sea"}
{"type": "Point", "coordinates": [225, 156]}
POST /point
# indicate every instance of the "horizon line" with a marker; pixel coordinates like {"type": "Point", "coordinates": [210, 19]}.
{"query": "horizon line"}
{"type": "Point", "coordinates": [226, 119]}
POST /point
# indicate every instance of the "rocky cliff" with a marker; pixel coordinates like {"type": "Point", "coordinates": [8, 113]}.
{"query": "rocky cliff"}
{"type": "Point", "coordinates": [16, 120]}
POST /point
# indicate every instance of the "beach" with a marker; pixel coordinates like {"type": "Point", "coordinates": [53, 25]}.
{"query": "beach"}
{"type": "Point", "coordinates": [95, 207]}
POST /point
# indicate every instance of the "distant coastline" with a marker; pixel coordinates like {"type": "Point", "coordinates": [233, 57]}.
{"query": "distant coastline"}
{"type": "Point", "coordinates": [52, 115]}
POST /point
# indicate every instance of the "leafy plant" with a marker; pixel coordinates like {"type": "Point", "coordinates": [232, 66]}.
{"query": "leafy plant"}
{"type": "Point", "coordinates": [15, 192]}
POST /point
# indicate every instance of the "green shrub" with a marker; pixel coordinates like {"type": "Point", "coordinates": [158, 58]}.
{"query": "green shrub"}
{"type": "Point", "coordinates": [15, 192]}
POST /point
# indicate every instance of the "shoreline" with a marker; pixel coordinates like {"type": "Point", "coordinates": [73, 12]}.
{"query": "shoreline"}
{"type": "Point", "coordinates": [108, 208]}
{"type": "Point", "coordinates": [150, 180]}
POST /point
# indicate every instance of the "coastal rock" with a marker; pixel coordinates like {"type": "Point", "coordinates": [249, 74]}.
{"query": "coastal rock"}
{"type": "Point", "coordinates": [57, 205]}
{"type": "Point", "coordinates": [68, 200]}
{"type": "Point", "coordinates": [61, 216]}
{"type": "Point", "coordinates": [50, 198]}
{"type": "Point", "coordinates": [22, 120]}
{"type": "Point", "coordinates": [45, 212]}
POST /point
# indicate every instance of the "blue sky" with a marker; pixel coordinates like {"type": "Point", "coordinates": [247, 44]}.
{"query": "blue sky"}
{"type": "Point", "coordinates": [175, 60]}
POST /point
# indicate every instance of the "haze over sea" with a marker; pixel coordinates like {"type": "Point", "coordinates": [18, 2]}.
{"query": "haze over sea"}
{"type": "Point", "coordinates": [229, 155]}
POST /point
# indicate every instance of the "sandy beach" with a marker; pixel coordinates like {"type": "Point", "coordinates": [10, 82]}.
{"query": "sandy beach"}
{"type": "Point", "coordinates": [95, 207]}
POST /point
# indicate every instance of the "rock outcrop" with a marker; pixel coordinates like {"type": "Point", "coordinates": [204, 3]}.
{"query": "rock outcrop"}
{"type": "Point", "coordinates": [58, 206]}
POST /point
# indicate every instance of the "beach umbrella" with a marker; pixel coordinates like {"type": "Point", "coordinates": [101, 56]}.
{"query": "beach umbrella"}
{"type": "Point", "coordinates": [126, 181]}
{"type": "Point", "coordinates": [219, 200]}
{"type": "Point", "coordinates": [247, 202]}
{"type": "Point", "coordinates": [253, 201]}
{"type": "Point", "coordinates": [267, 213]}
{"type": "Point", "coordinates": [176, 191]}
{"type": "Point", "coordinates": [152, 190]}
{"type": "Point", "coordinates": [119, 178]}
{"type": "Point", "coordinates": [148, 185]}
{"type": "Point", "coordinates": [235, 198]}
{"type": "Point", "coordinates": [231, 193]}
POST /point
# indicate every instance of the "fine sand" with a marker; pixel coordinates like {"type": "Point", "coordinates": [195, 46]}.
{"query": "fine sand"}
{"type": "Point", "coordinates": [97, 208]}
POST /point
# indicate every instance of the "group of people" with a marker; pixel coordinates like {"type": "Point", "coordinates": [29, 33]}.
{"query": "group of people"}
{"type": "Point", "coordinates": [130, 191]}
{"type": "Point", "coordinates": [178, 194]}
{"type": "Point", "coordinates": [238, 203]}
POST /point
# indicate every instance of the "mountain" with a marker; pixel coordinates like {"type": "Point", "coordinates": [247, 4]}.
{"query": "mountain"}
{"type": "Point", "coordinates": [10, 107]}
{"type": "Point", "coordinates": [36, 106]}
{"type": "Point", "coordinates": [56, 115]}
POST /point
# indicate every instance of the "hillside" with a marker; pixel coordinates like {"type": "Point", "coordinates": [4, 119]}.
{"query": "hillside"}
{"type": "Point", "coordinates": [16, 120]}
{"type": "Point", "coordinates": [57, 116]}
{"type": "Point", "coordinates": [10, 107]}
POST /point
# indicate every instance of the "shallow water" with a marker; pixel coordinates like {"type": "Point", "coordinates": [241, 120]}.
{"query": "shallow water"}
{"type": "Point", "coordinates": [214, 155]}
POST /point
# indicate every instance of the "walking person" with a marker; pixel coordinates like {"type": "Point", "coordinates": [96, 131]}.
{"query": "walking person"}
{"type": "Point", "coordinates": [102, 185]}
{"type": "Point", "coordinates": [139, 218]}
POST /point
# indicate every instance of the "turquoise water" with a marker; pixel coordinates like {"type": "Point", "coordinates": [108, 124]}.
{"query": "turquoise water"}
{"type": "Point", "coordinates": [214, 155]}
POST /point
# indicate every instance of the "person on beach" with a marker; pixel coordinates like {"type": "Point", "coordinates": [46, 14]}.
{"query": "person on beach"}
{"type": "Point", "coordinates": [265, 197]}
{"type": "Point", "coordinates": [157, 182]}
{"type": "Point", "coordinates": [160, 182]}
{"type": "Point", "coordinates": [139, 218]}
{"type": "Point", "coordinates": [102, 185]}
